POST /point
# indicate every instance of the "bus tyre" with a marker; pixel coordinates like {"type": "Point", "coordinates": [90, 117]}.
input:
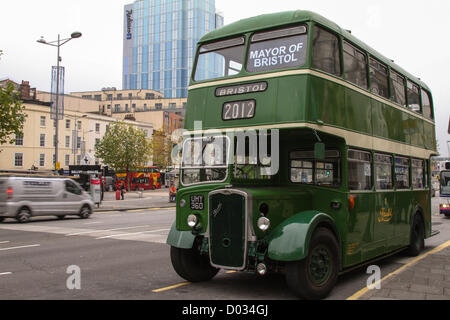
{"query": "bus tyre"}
{"type": "Point", "coordinates": [417, 242]}
{"type": "Point", "coordinates": [190, 265]}
{"type": "Point", "coordinates": [2, 219]}
{"type": "Point", "coordinates": [314, 277]}
{"type": "Point", "coordinates": [85, 212]}
{"type": "Point", "coordinates": [24, 215]}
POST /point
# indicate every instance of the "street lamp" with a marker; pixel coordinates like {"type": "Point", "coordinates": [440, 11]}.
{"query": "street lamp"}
{"type": "Point", "coordinates": [58, 43]}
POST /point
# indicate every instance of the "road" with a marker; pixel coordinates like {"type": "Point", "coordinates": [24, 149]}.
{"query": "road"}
{"type": "Point", "coordinates": [123, 255]}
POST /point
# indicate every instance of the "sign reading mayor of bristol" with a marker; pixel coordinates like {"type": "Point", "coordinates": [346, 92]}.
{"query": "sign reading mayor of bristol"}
{"type": "Point", "coordinates": [275, 54]}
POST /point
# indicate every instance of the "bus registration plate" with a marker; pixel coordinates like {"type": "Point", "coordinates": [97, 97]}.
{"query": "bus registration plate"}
{"type": "Point", "coordinates": [238, 110]}
{"type": "Point", "coordinates": [197, 202]}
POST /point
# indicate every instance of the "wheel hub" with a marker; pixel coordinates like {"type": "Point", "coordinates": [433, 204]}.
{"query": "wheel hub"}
{"type": "Point", "coordinates": [320, 265]}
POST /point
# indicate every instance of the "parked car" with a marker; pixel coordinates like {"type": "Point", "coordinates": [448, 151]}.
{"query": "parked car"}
{"type": "Point", "coordinates": [25, 196]}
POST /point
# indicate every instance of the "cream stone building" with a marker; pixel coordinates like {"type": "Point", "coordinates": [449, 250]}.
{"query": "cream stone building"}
{"type": "Point", "coordinates": [78, 133]}
{"type": "Point", "coordinates": [111, 101]}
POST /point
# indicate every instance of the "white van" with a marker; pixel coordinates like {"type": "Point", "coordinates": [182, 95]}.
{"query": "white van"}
{"type": "Point", "coordinates": [25, 196]}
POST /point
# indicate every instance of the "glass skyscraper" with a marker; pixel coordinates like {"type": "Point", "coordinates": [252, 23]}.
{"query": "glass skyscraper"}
{"type": "Point", "coordinates": [160, 37]}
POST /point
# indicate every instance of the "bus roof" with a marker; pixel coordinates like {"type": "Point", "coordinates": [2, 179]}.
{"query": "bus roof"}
{"type": "Point", "coordinates": [272, 20]}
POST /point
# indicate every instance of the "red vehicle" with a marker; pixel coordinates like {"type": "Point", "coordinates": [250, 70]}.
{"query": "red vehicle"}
{"type": "Point", "coordinates": [146, 178]}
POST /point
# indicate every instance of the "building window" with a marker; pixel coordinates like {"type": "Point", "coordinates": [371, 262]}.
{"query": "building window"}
{"type": "Point", "coordinates": [326, 52]}
{"type": "Point", "coordinates": [119, 96]}
{"type": "Point", "coordinates": [97, 141]}
{"type": "Point", "coordinates": [359, 170]}
{"type": "Point", "coordinates": [117, 107]}
{"type": "Point", "coordinates": [42, 121]}
{"type": "Point", "coordinates": [67, 141]}
{"type": "Point", "coordinates": [19, 140]}
{"type": "Point", "coordinates": [355, 63]}
{"type": "Point", "coordinates": [42, 140]}
{"type": "Point", "coordinates": [172, 105]}
{"type": "Point", "coordinates": [18, 159]}
{"type": "Point", "coordinates": [158, 106]}
{"type": "Point", "coordinates": [67, 160]}
{"type": "Point", "coordinates": [67, 124]}
{"type": "Point", "coordinates": [79, 125]}
{"type": "Point", "coordinates": [97, 127]}
{"type": "Point", "coordinates": [78, 159]}
{"type": "Point", "coordinates": [42, 160]}
{"type": "Point", "coordinates": [78, 142]}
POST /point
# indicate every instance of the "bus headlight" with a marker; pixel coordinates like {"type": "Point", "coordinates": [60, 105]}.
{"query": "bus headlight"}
{"type": "Point", "coordinates": [263, 224]}
{"type": "Point", "coordinates": [192, 221]}
{"type": "Point", "coordinates": [182, 203]}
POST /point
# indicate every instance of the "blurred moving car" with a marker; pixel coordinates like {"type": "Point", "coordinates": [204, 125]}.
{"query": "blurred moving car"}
{"type": "Point", "coordinates": [25, 196]}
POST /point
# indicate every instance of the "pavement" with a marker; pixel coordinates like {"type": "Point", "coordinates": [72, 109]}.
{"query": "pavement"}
{"type": "Point", "coordinates": [426, 277]}
{"type": "Point", "coordinates": [134, 200]}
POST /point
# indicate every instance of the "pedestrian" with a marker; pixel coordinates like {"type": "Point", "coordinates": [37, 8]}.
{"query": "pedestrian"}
{"type": "Point", "coordinates": [122, 190]}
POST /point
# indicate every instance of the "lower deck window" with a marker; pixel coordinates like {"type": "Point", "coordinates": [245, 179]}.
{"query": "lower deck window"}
{"type": "Point", "coordinates": [359, 170]}
{"type": "Point", "coordinates": [417, 174]}
{"type": "Point", "coordinates": [402, 173]}
{"type": "Point", "coordinates": [307, 170]}
{"type": "Point", "coordinates": [383, 172]}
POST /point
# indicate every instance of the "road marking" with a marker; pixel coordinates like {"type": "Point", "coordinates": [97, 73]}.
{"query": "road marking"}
{"type": "Point", "coordinates": [171, 287]}
{"type": "Point", "coordinates": [137, 210]}
{"type": "Point", "coordinates": [3, 242]}
{"type": "Point", "coordinates": [21, 247]}
{"type": "Point", "coordinates": [361, 292]}
{"type": "Point", "coordinates": [95, 231]}
{"type": "Point", "coordinates": [90, 223]}
{"type": "Point", "coordinates": [130, 234]}
{"type": "Point", "coordinates": [5, 273]}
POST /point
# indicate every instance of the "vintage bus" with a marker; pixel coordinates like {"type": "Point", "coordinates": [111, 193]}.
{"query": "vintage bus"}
{"type": "Point", "coordinates": [321, 156]}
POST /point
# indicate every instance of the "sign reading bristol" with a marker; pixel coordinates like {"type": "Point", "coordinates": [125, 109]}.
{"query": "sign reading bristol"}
{"type": "Point", "coordinates": [277, 54]}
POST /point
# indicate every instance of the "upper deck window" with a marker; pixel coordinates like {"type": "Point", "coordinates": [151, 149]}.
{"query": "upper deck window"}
{"type": "Point", "coordinates": [379, 80]}
{"type": "Point", "coordinates": [355, 63]}
{"type": "Point", "coordinates": [413, 97]}
{"type": "Point", "coordinates": [326, 52]}
{"type": "Point", "coordinates": [426, 105]}
{"type": "Point", "coordinates": [398, 88]}
{"type": "Point", "coordinates": [220, 59]}
{"type": "Point", "coordinates": [277, 49]}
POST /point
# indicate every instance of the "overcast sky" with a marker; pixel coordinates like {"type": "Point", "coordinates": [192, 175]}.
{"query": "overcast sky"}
{"type": "Point", "coordinates": [414, 33]}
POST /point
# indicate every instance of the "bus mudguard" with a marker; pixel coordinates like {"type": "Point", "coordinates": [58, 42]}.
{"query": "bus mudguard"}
{"type": "Point", "coordinates": [180, 239]}
{"type": "Point", "coordinates": [289, 241]}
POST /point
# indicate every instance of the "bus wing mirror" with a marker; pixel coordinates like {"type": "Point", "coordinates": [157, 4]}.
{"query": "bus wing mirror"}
{"type": "Point", "coordinates": [319, 151]}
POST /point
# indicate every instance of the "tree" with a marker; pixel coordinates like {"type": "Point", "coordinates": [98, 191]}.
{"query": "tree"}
{"type": "Point", "coordinates": [12, 116]}
{"type": "Point", "coordinates": [162, 149]}
{"type": "Point", "coordinates": [124, 147]}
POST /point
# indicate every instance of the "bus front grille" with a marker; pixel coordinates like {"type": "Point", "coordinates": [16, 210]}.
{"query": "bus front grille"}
{"type": "Point", "coordinates": [227, 229]}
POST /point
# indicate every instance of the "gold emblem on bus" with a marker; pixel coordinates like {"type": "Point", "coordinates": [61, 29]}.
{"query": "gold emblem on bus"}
{"type": "Point", "coordinates": [384, 215]}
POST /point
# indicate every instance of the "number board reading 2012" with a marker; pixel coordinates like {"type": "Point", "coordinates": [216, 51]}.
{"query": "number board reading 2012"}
{"type": "Point", "coordinates": [236, 110]}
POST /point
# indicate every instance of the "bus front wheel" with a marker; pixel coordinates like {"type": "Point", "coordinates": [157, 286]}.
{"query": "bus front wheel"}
{"type": "Point", "coordinates": [190, 265]}
{"type": "Point", "coordinates": [315, 276]}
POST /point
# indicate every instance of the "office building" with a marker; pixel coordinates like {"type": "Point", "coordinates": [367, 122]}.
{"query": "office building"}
{"type": "Point", "coordinates": [160, 38]}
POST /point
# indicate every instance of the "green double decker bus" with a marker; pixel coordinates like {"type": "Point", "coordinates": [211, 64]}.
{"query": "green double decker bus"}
{"type": "Point", "coordinates": [306, 152]}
